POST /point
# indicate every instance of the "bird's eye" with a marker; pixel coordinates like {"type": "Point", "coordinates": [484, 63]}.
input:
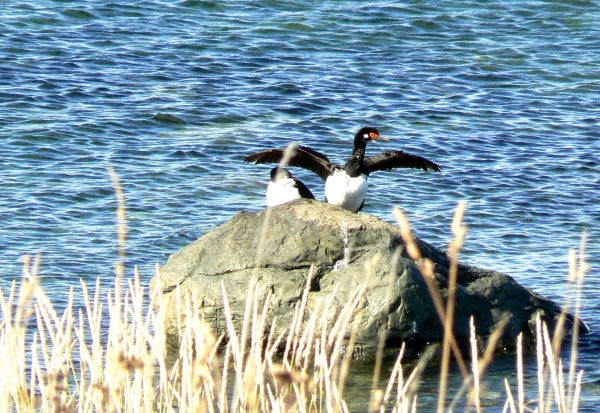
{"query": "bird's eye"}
{"type": "Point", "coordinates": [373, 135]}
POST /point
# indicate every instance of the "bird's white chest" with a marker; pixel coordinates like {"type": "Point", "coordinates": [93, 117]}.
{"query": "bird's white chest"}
{"type": "Point", "coordinates": [344, 191]}
{"type": "Point", "coordinates": [281, 192]}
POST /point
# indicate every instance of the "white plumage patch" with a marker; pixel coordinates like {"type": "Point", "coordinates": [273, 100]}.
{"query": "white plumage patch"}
{"type": "Point", "coordinates": [349, 193]}
{"type": "Point", "coordinates": [282, 191]}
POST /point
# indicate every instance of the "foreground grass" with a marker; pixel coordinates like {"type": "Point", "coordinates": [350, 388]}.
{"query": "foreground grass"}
{"type": "Point", "coordinates": [85, 361]}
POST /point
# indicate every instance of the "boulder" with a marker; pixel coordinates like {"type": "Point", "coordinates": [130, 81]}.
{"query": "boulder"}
{"type": "Point", "coordinates": [347, 249]}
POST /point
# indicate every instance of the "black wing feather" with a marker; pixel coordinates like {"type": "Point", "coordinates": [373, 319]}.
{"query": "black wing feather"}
{"type": "Point", "coordinates": [305, 157]}
{"type": "Point", "coordinates": [397, 159]}
{"type": "Point", "coordinates": [303, 189]}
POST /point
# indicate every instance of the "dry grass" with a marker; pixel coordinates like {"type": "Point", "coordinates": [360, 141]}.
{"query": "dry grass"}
{"type": "Point", "coordinates": [111, 354]}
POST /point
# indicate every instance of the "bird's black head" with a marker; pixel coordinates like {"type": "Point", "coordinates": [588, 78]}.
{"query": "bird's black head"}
{"type": "Point", "coordinates": [367, 134]}
{"type": "Point", "coordinates": [278, 173]}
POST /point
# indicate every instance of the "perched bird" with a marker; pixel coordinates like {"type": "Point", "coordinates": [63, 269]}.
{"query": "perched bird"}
{"type": "Point", "coordinates": [347, 185]}
{"type": "Point", "coordinates": [285, 188]}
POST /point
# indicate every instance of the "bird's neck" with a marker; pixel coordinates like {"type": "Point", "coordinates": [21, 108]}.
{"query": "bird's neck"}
{"type": "Point", "coordinates": [354, 164]}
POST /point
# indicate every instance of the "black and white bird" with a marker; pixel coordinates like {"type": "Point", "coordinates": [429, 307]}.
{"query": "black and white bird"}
{"type": "Point", "coordinates": [346, 186]}
{"type": "Point", "coordinates": [284, 188]}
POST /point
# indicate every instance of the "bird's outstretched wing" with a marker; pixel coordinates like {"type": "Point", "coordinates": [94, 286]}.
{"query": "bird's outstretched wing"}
{"type": "Point", "coordinates": [397, 159]}
{"type": "Point", "coordinates": [304, 157]}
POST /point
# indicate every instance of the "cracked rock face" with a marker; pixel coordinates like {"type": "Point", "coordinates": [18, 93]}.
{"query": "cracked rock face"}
{"type": "Point", "coordinates": [278, 246]}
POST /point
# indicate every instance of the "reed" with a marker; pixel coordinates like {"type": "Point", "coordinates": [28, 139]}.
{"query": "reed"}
{"type": "Point", "coordinates": [111, 354]}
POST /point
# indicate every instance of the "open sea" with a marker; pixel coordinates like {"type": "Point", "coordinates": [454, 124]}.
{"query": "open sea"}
{"type": "Point", "coordinates": [504, 95]}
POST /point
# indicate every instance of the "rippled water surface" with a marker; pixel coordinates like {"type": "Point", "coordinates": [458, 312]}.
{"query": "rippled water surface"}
{"type": "Point", "coordinates": [504, 95]}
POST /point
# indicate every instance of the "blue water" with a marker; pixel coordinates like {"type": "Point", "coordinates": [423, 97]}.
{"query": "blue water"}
{"type": "Point", "coordinates": [504, 95]}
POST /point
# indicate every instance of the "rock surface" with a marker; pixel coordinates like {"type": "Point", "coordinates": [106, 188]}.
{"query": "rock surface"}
{"type": "Point", "coordinates": [340, 244]}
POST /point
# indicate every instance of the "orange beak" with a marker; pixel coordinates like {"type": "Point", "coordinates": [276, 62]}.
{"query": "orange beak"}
{"type": "Point", "coordinates": [375, 136]}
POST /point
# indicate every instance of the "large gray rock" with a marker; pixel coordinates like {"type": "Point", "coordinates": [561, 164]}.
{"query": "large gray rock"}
{"type": "Point", "coordinates": [340, 244]}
